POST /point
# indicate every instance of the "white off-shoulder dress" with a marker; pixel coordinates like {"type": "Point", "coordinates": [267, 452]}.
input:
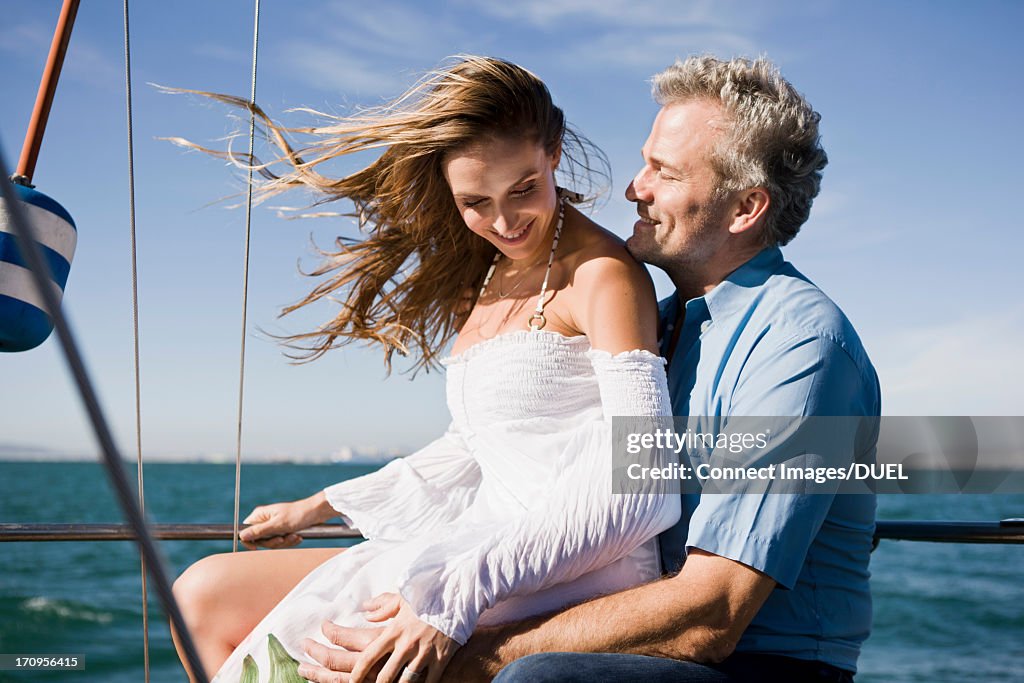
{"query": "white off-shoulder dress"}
{"type": "Point", "coordinates": [510, 514]}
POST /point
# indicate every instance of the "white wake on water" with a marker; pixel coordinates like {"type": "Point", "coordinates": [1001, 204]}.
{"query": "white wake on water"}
{"type": "Point", "coordinates": [65, 610]}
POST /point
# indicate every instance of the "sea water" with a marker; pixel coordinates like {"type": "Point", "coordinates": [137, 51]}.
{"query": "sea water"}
{"type": "Point", "coordinates": [943, 612]}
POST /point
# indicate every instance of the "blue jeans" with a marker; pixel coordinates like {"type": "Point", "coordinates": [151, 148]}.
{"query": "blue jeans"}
{"type": "Point", "coordinates": [572, 667]}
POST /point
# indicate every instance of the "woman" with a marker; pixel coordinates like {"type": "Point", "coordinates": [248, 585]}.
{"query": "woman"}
{"type": "Point", "coordinates": [511, 512]}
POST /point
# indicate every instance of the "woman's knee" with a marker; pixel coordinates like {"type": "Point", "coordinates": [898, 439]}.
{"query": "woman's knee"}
{"type": "Point", "coordinates": [198, 588]}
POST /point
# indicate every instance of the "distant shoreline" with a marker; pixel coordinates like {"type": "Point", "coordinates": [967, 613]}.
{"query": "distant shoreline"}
{"type": "Point", "coordinates": [8, 459]}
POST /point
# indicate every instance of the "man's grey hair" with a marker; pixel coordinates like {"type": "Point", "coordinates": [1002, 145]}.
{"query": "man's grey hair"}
{"type": "Point", "coordinates": [772, 140]}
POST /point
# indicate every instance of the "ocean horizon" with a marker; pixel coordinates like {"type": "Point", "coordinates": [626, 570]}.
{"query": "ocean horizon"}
{"type": "Point", "coordinates": [355, 458]}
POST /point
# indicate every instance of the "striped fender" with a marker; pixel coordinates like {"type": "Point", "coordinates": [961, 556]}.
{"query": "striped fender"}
{"type": "Point", "coordinates": [24, 323]}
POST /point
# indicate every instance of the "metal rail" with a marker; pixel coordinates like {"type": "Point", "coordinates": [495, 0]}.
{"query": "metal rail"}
{"type": "Point", "coordinates": [1003, 531]}
{"type": "Point", "coordinates": [1009, 531]}
{"type": "Point", "coordinates": [164, 532]}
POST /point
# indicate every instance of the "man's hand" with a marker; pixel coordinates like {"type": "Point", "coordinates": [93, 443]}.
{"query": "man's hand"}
{"type": "Point", "coordinates": [336, 664]}
{"type": "Point", "coordinates": [381, 654]}
{"type": "Point", "coordinates": [476, 662]}
{"type": "Point", "coordinates": [406, 646]}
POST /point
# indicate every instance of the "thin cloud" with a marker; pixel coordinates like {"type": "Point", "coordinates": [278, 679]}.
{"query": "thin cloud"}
{"type": "Point", "coordinates": [377, 53]}
{"type": "Point", "coordinates": [392, 31]}
{"type": "Point", "coordinates": [652, 52]}
{"type": "Point", "coordinates": [333, 69]}
{"type": "Point", "coordinates": [222, 53]}
{"type": "Point", "coordinates": [957, 367]}
{"type": "Point", "coordinates": [22, 39]}
{"type": "Point", "coordinates": [612, 13]}
{"type": "Point", "coordinates": [87, 64]}
{"type": "Point", "coordinates": [659, 15]}
{"type": "Point", "coordinates": [835, 212]}
{"type": "Point", "coordinates": [369, 54]}
{"type": "Point", "coordinates": [830, 202]}
{"type": "Point", "coordinates": [633, 35]}
{"type": "Point", "coordinates": [84, 62]}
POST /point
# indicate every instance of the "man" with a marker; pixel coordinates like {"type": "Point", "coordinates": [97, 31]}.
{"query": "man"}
{"type": "Point", "coordinates": [768, 586]}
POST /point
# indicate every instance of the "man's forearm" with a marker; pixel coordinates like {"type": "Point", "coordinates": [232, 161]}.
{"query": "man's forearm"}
{"type": "Point", "coordinates": [698, 615]}
{"type": "Point", "coordinates": [634, 621]}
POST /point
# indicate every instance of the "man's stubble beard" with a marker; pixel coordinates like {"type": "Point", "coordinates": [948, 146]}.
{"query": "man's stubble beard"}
{"type": "Point", "coordinates": [685, 265]}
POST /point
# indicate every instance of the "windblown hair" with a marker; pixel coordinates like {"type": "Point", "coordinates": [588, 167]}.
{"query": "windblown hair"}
{"type": "Point", "coordinates": [772, 140]}
{"type": "Point", "coordinates": [410, 283]}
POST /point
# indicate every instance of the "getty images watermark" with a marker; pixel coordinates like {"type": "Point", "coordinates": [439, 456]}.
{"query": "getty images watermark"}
{"type": "Point", "coordinates": [825, 455]}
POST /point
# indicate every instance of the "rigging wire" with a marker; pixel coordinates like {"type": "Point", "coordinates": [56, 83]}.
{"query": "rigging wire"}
{"type": "Point", "coordinates": [245, 273]}
{"type": "Point", "coordinates": [135, 325]}
{"type": "Point", "coordinates": [31, 252]}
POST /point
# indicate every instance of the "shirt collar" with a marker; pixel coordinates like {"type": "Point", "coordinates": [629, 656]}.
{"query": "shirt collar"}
{"type": "Point", "coordinates": [730, 295]}
{"type": "Point", "coordinates": [742, 284]}
{"type": "Point", "coordinates": [668, 309]}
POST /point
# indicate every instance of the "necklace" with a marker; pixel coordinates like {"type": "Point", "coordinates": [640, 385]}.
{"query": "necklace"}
{"type": "Point", "coordinates": [537, 320]}
{"type": "Point", "coordinates": [507, 294]}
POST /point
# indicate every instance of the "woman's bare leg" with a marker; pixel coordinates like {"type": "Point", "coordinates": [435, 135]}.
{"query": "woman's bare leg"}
{"type": "Point", "coordinates": [222, 597]}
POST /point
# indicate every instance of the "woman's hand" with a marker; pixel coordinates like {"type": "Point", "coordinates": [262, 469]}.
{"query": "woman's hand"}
{"type": "Point", "coordinates": [406, 645]}
{"type": "Point", "coordinates": [274, 526]}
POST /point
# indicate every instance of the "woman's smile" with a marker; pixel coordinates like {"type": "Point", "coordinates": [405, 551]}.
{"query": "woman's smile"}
{"type": "Point", "coordinates": [516, 237]}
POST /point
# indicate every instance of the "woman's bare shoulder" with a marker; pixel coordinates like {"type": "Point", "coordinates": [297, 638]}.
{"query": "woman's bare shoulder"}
{"type": "Point", "coordinates": [611, 295]}
{"type": "Point", "coordinates": [599, 256]}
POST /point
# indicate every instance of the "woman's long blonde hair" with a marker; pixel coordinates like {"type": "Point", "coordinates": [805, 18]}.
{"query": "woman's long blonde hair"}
{"type": "Point", "coordinates": [410, 283]}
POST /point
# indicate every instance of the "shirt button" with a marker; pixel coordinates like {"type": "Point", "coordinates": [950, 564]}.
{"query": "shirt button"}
{"type": "Point", "coordinates": [704, 326]}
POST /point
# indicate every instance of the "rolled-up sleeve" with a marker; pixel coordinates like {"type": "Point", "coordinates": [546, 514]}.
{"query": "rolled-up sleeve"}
{"type": "Point", "coordinates": [801, 377]}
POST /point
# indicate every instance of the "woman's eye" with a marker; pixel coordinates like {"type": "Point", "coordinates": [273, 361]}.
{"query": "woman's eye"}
{"type": "Point", "coordinates": [471, 204]}
{"type": "Point", "coordinates": [523, 192]}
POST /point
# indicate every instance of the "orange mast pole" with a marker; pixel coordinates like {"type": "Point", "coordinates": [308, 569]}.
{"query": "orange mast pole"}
{"type": "Point", "coordinates": [44, 98]}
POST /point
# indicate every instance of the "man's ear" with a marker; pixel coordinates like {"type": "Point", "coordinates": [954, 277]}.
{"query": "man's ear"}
{"type": "Point", "coordinates": [751, 206]}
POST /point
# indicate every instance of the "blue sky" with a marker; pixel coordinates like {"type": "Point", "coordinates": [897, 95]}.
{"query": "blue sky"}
{"type": "Point", "coordinates": [920, 105]}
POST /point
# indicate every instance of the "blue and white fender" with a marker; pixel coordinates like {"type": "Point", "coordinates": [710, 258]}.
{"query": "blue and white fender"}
{"type": "Point", "coordinates": [24, 323]}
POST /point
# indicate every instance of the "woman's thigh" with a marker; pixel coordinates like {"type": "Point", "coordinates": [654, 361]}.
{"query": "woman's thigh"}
{"type": "Point", "coordinates": [231, 592]}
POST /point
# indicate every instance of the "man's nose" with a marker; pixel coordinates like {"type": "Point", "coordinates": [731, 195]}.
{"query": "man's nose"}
{"type": "Point", "coordinates": [637, 190]}
{"type": "Point", "coordinates": [631, 191]}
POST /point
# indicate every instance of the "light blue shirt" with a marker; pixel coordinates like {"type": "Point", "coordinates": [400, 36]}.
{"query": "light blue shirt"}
{"type": "Point", "coordinates": [768, 342]}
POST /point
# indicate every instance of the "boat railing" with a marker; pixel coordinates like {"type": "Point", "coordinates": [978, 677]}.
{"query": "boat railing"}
{"type": "Point", "coordinates": [1009, 531]}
